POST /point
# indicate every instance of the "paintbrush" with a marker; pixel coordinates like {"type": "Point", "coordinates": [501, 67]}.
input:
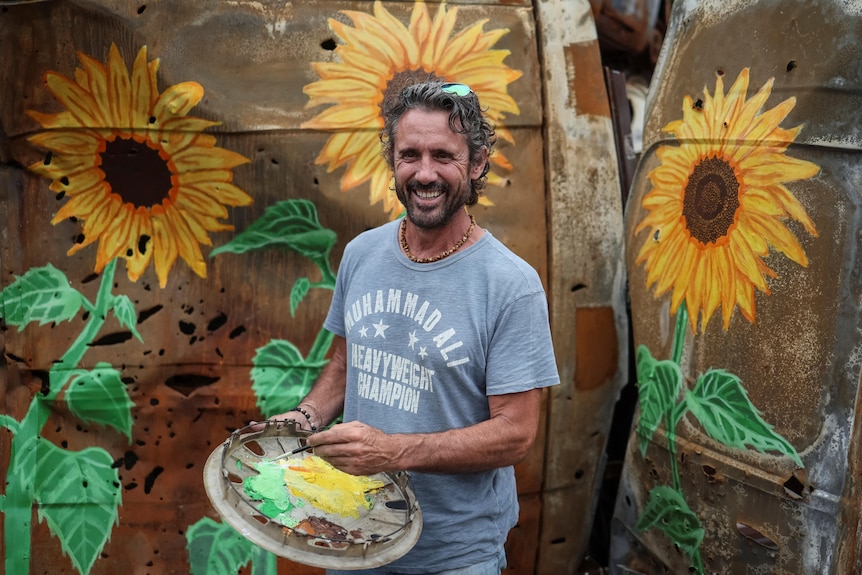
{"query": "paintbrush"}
{"type": "Point", "coordinates": [299, 449]}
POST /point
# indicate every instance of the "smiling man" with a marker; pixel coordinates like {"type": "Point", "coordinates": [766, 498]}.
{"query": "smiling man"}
{"type": "Point", "coordinates": [442, 344]}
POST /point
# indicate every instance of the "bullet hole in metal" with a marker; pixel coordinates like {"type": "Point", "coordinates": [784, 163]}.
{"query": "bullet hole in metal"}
{"type": "Point", "coordinates": [219, 353]}
{"type": "Point", "coordinates": [579, 474]}
{"type": "Point", "coordinates": [187, 327]}
{"type": "Point", "coordinates": [756, 535]}
{"type": "Point", "coordinates": [130, 252]}
{"type": "Point", "coordinates": [682, 457]}
{"type": "Point", "coordinates": [79, 239]}
{"type": "Point", "coordinates": [316, 181]}
{"type": "Point", "coordinates": [90, 278]}
{"type": "Point", "coordinates": [698, 105]}
{"type": "Point", "coordinates": [142, 243]}
{"type": "Point", "coordinates": [148, 351]}
{"type": "Point", "coordinates": [48, 158]}
{"type": "Point", "coordinates": [709, 470]}
{"type": "Point", "coordinates": [217, 322]}
{"type": "Point", "coordinates": [719, 72]}
{"type": "Point", "coordinates": [112, 339]}
{"type": "Point", "coordinates": [791, 65]}
{"type": "Point", "coordinates": [64, 180]}
{"type": "Point", "coordinates": [189, 465]}
{"type": "Point", "coordinates": [628, 501]}
{"type": "Point", "coordinates": [64, 444]}
{"type": "Point", "coordinates": [578, 287]}
{"type": "Point", "coordinates": [237, 331]}
{"type": "Point", "coordinates": [399, 505]}
{"type": "Point", "coordinates": [151, 478]}
{"type": "Point", "coordinates": [198, 416]}
{"type": "Point", "coordinates": [161, 352]}
{"type": "Point", "coordinates": [558, 541]}
{"type": "Point", "coordinates": [127, 380]}
{"type": "Point", "coordinates": [328, 44]}
{"type": "Point", "coordinates": [794, 488]}
{"type": "Point", "coordinates": [44, 379]}
{"type": "Point", "coordinates": [130, 486]}
{"type": "Point", "coordinates": [273, 161]}
{"type": "Point", "coordinates": [15, 358]}
{"type": "Point", "coordinates": [60, 195]}
{"type": "Point", "coordinates": [656, 236]}
{"type": "Point", "coordinates": [154, 401]}
{"type": "Point", "coordinates": [84, 483]}
{"type": "Point", "coordinates": [128, 460]}
{"type": "Point", "coordinates": [152, 120]}
{"type": "Point", "coordinates": [140, 442]}
{"type": "Point", "coordinates": [142, 8]}
{"type": "Point", "coordinates": [186, 383]}
{"type": "Point", "coordinates": [147, 313]}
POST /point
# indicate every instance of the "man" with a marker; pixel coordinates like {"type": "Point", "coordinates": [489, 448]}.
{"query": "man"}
{"type": "Point", "coordinates": [442, 344]}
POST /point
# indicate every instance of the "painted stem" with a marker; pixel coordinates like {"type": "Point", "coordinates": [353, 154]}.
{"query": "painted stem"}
{"type": "Point", "coordinates": [673, 418]}
{"type": "Point", "coordinates": [20, 495]}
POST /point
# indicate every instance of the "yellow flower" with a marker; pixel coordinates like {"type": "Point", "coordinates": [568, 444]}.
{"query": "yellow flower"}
{"type": "Point", "coordinates": [139, 172]}
{"type": "Point", "coordinates": [718, 202]}
{"type": "Point", "coordinates": [380, 56]}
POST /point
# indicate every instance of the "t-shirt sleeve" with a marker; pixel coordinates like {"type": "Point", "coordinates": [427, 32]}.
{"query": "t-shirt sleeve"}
{"type": "Point", "coordinates": [521, 354]}
{"type": "Point", "coordinates": [334, 322]}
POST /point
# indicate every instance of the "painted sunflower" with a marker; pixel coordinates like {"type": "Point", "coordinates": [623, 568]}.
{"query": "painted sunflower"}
{"type": "Point", "coordinates": [379, 56]}
{"type": "Point", "coordinates": [719, 203]}
{"type": "Point", "coordinates": [140, 174]}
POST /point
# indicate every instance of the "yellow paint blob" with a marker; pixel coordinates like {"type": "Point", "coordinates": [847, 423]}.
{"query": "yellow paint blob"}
{"type": "Point", "coordinates": [327, 488]}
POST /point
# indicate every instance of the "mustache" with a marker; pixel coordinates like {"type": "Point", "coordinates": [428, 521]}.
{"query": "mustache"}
{"type": "Point", "coordinates": [414, 186]}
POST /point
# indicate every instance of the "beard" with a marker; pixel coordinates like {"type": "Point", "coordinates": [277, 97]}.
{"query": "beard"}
{"type": "Point", "coordinates": [437, 216]}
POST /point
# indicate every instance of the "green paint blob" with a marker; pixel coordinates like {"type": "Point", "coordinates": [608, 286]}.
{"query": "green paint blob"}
{"type": "Point", "coordinates": [269, 488]}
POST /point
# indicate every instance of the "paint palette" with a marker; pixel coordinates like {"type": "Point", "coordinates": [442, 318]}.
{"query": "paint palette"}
{"type": "Point", "coordinates": [377, 532]}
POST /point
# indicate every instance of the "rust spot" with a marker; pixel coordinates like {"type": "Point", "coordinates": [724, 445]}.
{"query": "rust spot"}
{"type": "Point", "coordinates": [596, 347]}
{"type": "Point", "coordinates": [587, 94]}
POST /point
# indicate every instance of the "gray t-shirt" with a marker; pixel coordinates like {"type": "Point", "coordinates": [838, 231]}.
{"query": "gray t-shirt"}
{"type": "Point", "coordinates": [426, 345]}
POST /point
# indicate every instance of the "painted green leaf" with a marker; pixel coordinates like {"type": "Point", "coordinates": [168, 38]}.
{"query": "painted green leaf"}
{"type": "Point", "coordinates": [721, 405]}
{"type": "Point", "coordinates": [291, 224]}
{"type": "Point", "coordinates": [668, 512]}
{"type": "Point", "coordinates": [216, 548]}
{"type": "Point", "coordinates": [659, 384]}
{"type": "Point", "coordinates": [43, 295]}
{"type": "Point", "coordinates": [100, 396]}
{"type": "Point", "coordinates": [124, 309]}
{"type": "Point", "coordinates": [298, 293]}
{"type": "Point", "coordinates": [78, 495]}
{"type": "Point", "coordinates": [281, 376]}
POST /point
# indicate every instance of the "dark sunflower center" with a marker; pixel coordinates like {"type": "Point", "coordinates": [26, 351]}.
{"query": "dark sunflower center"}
{"type": "Point", "coordinates": [711, 200]}
{"type": "Point", "coordinates": [136, 172]}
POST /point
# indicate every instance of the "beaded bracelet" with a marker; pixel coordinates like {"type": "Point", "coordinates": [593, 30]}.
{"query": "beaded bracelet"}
{"type": "Point", "coordinates": [307, 416]}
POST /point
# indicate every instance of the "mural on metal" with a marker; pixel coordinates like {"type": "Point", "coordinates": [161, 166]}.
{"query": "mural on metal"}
{"type": "Point", "coordinates": [147, 183]}
{"type": "Point", "coordinates": [718, 205]}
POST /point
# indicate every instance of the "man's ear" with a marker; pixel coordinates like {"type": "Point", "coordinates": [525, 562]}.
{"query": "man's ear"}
{"type": "Point", "coordinates": [478, 166]}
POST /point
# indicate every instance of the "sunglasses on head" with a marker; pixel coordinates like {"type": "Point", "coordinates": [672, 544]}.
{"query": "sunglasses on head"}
{"type": "Point", "coordinates": [457, 89]}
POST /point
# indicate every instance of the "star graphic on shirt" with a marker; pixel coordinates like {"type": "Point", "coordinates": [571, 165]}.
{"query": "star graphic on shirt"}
{"type": "Point", "coordinates": [379, 328]}
{"type": "Point", "coordinates": [413, 340]}
{"type": "Point", "coordinates": [363, 331]}
{"type": "Point", "coordinates": [422, 352]}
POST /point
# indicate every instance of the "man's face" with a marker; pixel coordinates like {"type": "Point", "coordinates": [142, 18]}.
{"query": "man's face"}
{"type": "Point", "coordinates": [432, 168]}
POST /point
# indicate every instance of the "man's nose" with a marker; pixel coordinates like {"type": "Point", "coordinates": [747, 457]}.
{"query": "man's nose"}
{"type": "Point", "coordinates": [427, 171]}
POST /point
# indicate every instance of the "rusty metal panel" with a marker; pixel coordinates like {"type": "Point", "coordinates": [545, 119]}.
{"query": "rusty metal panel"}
{"type": "Point", "coordinates": [586, 278]}
{"type": "Point", "coordinates": [136, 337]}
{"type": "Point", "coordinates": [743, 255]}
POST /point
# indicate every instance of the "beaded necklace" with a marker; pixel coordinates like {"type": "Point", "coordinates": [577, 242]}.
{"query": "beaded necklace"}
{"type": "Point", "coordinates": [440, 256]}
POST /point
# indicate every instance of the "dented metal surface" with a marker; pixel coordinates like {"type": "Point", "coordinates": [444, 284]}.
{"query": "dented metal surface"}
{"type": "Point", "coordinates": [792, 350]}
